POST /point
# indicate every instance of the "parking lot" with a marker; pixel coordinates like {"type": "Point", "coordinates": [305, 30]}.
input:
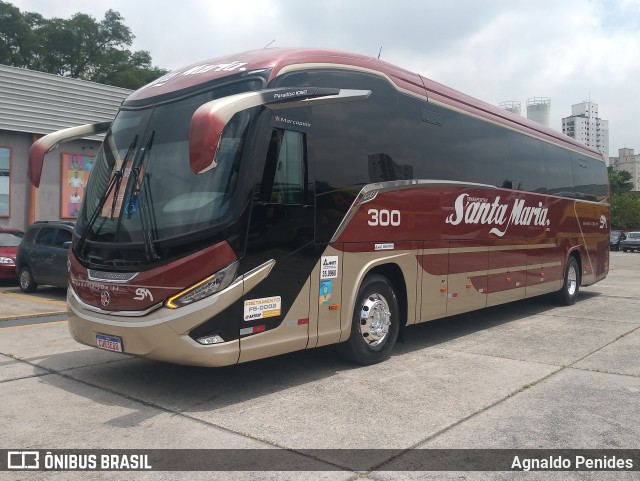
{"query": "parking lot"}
{"type": "Point", "coordinates": [524, 375]}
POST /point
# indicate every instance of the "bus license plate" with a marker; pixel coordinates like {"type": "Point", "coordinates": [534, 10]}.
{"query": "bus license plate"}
{"type": "Point", "coordinates": [110, 343]}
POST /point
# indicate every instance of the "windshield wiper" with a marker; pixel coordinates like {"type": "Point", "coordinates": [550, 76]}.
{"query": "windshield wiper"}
{"type": "Point", "coordinates": [120, 173]}
{"type": "Point", "coordinates": [149, 248]}
{"type": "Point", "coordinates": [116, 180]}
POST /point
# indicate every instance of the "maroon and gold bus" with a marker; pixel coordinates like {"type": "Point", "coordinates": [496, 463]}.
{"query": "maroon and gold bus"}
{"type": "Point", "coordinates": [283, 199]}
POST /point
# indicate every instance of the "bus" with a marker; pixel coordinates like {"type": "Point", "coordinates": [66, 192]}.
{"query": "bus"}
{"type": "Point", "coordinates": [284, 199]}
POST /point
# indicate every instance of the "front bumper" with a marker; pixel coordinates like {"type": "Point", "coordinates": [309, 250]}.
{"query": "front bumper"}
{"type": "Point", "coordinates": [162, 334]}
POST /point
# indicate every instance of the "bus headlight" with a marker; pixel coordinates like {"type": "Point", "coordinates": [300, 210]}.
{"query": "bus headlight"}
{"type": "Point", "coordinates": [206, 287]}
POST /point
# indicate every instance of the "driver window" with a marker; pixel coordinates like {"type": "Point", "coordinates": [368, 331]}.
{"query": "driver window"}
{"type": "Point", "coordinates": [284, 176]}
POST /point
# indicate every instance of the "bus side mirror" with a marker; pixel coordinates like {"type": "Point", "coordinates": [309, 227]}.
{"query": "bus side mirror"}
{"type": "Point", "coordinates": [50, 141]}
{"type": "Point", "coordinates": [209, 120]}
{"type": "Point", "coordinates": [207, 124]}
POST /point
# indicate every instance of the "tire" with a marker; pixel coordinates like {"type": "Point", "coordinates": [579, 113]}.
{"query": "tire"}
{"type": "Point", "coordinates": [624, 250]}
{"type": "Point", "coordinates": [375, 322]}
{"type": "Point", "coordinates": [568, 295]}
{"type": "Point", "coordinates": [25, 278]}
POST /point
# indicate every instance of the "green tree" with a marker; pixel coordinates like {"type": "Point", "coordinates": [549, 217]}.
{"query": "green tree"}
{"type": "Point", "coordinates": [619, 180]}
{"type": "Point", "coordinates": [625, 207]}
{"type": "Point", "coordinates": [625, 211]}
{"type": "Point", "coordinates": [78, 47]}
{"type": "Point", "coordinates": [17, 38]}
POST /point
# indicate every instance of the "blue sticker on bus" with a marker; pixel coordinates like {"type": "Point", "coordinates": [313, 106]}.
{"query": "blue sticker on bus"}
{"type": "Point", "coordinates": [325, 291]}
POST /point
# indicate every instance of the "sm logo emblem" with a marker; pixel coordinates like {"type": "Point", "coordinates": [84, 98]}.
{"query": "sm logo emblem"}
{"type": "Point", "coordinates": [142, 294]}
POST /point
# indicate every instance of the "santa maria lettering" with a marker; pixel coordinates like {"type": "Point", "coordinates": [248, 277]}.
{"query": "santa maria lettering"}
{"type": "Point", "coordinates": [473, 210]}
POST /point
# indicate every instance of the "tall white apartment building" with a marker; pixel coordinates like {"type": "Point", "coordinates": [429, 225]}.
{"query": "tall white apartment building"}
{"type": "Point", "coordinates": [587, 127]}
{"type": "Point", "coordinates": [626, 160]}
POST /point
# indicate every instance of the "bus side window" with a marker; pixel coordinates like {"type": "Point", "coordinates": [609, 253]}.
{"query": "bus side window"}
{"type": "Point", "coordinates": [283, 181]}
{"type": "Point", "coordinates": [587, 176]}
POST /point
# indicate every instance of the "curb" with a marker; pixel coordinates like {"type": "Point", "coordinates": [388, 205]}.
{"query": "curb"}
{"type": "Point", "coordinates": [28, 316]}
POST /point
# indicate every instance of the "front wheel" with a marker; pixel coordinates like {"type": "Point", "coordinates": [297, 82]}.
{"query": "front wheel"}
{"type": "Point", "coordinates": [375, 323]}
{"type": "Point", "coordinates": [568, 295]}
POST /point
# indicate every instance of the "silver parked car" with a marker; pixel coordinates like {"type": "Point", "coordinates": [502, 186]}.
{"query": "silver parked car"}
{"type": "Point", "coordinates": [631, 242]}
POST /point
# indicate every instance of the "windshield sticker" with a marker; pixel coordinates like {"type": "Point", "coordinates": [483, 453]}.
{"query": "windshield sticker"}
{"type": "Point", "coordinates": [329, 267]}
{"type": "Point", "coordinates": [131, 205]}
{"type": "Point", "coordinates": [326, 286]}
{"type": "Point", "coordinates": [262, 308]}
{"type": "Point", "coordinates": [480, 210]}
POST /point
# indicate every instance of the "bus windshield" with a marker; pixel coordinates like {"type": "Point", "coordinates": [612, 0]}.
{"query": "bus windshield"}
{"type": "Point", "coordinates": [141, 190]}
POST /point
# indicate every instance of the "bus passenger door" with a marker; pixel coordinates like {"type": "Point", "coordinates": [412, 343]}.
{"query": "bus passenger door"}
{"type": "Point", "coordinates": [276, 311]}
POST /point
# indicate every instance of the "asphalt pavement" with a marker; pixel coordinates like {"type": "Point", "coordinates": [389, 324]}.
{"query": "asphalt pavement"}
{"type": "Point", "coordinates": [527, 375]}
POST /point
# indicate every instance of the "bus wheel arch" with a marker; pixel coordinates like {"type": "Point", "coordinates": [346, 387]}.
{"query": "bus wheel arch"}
{"type": "Point", "coordinates": [571, 280]}
{"type": "Point", "coordinates": [378, 314]}
{"type": "Point", "coordinates": [394, 275]}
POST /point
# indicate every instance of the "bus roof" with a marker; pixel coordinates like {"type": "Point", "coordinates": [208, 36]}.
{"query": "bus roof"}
{"type": "Point", "coordinates": [275, 60]}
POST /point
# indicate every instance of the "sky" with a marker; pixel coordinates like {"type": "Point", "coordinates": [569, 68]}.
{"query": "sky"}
{"type": "Point", "coordinates": [496, 50]}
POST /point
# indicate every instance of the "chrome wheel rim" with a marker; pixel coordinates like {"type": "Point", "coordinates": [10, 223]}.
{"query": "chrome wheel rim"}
{"type": "Point", "coordinates": [572, 281]}
{"type": "Point", "coordinates": [24, 279]}
{"type": "Point", "coordinates": [375, 319]}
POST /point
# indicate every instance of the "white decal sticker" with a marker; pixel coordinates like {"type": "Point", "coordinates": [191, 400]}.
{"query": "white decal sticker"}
{"type": "Point", "coordinates": [385, 247]}
{"type": "Point", "coordinates": [474, 210]}
{"type": "Point", "coordinates": [141, 293]}
{"type": "Point", "coordinates": [329, 267]}
{"type": "Point", "coordinates": [198, 69]}
{"type": "Point", "coordinates": [383, 217]}
{"type": "Point", "coordinates": [262, 308]}
{"type": "Point", "coordinates": [603, 222]}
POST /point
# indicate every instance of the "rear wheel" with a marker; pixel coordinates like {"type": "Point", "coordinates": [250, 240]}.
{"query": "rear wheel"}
{"type": "Point", "coordinates": [375, 322]}
{"type": "Point", "coordinates": [27, 283]}
{"type": "Point", "coordinates": [568, 295]}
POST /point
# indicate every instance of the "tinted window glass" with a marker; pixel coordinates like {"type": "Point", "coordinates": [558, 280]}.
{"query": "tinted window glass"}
{"type": "Point", "coordinates": [529, 173]}
{"type": "Point", "coordinates": [589, 176]}
{"type": "Point", "coordinates": [61, 237]}
{"type": "Point", "coordinates": [428, 141]}
{"type": "Point", "coordinates": [289, 177]}
{"type": "Point", "coordinates": [485, 153]}
{"type": "Point", "coordinates": [559, 171]}
{"type": "Point", "coordinates": [46, 236]}
{"type": "Point", "coordinates": [344, 136]}
{"type": "Point", "coordinates": [30, 235]}
{"type": "Point", "coordinates": [284, 176]}
{"type": "Point", "coordinates": [349, 144]}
